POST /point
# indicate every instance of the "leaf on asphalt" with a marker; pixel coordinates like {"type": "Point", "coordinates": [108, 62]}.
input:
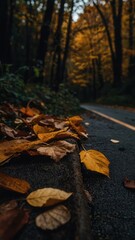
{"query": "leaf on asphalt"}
{"type": "Point", "coordinates": [87, 123]}
{"type": "Point", "coordinates": [53, 218]}
{"type": "Point", "coordinates": [11, 222]}
{"type": "Point", "coordinates": [114, 141]}
{"type": "Point", "coordinates": [8, 206]}
{"type": "Point", "coordinates": [79, 129]}
{"type": "Point", "coordinates": [57, 150]}
{"type": "Point", "coordinates": [76, 119]}
{"type": "Point", "coordinates": [10, 148]}
{"type": "Point", "coordinates": [47, 197]}
{"type": "Point", "coordinates": [13, 184]}
{"type": "Point", "coordinates": [95, 161]}
{"type": "Point", "coordinates": [129, 183]}
{"type": "Point", "coordinates": [30, 111]}
{"type": "Point", "coordinates": [88, 196]}
{"type": "Point", "coordinates": [61, 134]}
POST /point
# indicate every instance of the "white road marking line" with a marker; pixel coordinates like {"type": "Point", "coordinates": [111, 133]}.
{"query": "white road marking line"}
{"type": "Point", "coordinates": [113, 119]}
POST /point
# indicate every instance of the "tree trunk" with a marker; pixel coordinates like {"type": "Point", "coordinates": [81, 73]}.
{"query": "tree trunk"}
{"type": "Point", "coordinates": [44, 33]}
{"type": "Point", "coordinates": [66, 50]}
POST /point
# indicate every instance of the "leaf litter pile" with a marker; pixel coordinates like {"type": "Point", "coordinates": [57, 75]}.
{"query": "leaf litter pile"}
{"type": "Point", "coordinates": [31, 132]}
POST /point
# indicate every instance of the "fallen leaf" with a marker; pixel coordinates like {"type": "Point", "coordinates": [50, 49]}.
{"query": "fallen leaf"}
{"type": "Point", "coordinates": [8, 206]}
{"type": "Point", "coordinates": [11, 222]}
{"type": "Point", "coordinates": [41, 129]}
{"type": "Point", "coordinates": [57, 150]}
{"type": "Point", "coordinates": [53, 218]}
{"type": "Point", "coordinates": [10, 148]}
{"type": "Point", "coordinates": [13, 184]}
{"type": "Point", "coordinates": [7, 130]}
{"type": "Point", "coordinates": [47, 197]}
{"type": "Point", "coordinates": [88, 196]}
{"type": "Point", "coordinates": [114, 141]}
{"type": "Point", "coordinates": [79, 130]}
{"type": "Point", "coordinates": [30, 111]}
{"type": "Point", "coordinates": [129, 183]}
{"type": "Point", "coordinates": [95, 161]}
{"type": "Point", "coordinates": [87, 123]}
{"type": "Point", "coordinates": [61, 134]}
{"type": "Point", "coordinates": [76, 119]}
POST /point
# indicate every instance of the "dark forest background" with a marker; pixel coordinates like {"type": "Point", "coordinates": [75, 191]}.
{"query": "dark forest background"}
{"type": "Point", "coordinates": [68, 49]}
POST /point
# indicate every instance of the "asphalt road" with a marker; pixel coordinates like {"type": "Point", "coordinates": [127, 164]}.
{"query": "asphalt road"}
{"type": "Point", "coordinates": [113, 205]}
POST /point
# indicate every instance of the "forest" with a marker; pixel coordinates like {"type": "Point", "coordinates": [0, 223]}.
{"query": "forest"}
{"type": "Point", "coordinates": [68, 50]}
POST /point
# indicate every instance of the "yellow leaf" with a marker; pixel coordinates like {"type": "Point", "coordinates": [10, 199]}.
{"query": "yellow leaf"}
{"type": "Point", "coordinates": [13, 184]}
{"type": "Point", "coordinates": [95, 161]}
{"type": "Point", "coordinates": [39, 129]}
{"type": "Point", "coordinates": [61, 134]}
{"type": "Point", "coordinates": [57, 150]}
{"type": "Point", "coordinates": [47, 197]}
{"type": "Point", "coordinates": [53, 218]}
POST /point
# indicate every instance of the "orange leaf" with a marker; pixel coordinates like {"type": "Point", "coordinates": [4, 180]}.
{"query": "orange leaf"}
{"type": "Point", "coordinates": [30, 111]}
{"type": "Point", "coordinates": [76, 119]}
{"type": "Point", "coordinates": [61, 134]}
{"type": "Point", "coordinates": [13, 184]}
{"type": "Point", "coordinates": [79, 129]}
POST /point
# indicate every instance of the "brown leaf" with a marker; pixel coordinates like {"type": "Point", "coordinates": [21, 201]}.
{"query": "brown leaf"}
{"type": "Point", "coordinates": [47, 197]}
{"type": "Point", "coordinates": [57, 150]}
{"type": "Point", "coordinates": [53, 218]}
{"type": "Point", "coordinates": [8, 206]}
{"type": "Point", "coordinates": [13, 184]}
{"type": "Point", "coordinates": [129, 183]}
{"type": "Point", "coordinates": [10, 148]}
{"type": "Point", "coordinates": [11, 222]}
{"type": "Point", "coordinates": [79, 129]}
{"type": "Point", "coordinates": [7, 130]}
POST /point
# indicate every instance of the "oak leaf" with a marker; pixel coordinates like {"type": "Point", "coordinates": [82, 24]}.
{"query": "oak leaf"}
{"type": "Point", "coordinates": [53, 218]}
{"type": "Point", "coordinates": [13, 184]}
{"type": "Point", "coordinates": [47, 197]}
{"type": "Point", "coordinates": [95, 161]}
{"type": "Point", "coordinates": [57, 150]}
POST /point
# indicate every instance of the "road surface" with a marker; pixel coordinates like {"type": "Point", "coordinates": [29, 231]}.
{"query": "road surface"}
{"type": "Point", "coordinates": [113, 205]}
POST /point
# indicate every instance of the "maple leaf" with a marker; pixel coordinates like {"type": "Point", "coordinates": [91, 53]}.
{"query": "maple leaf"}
{"type": "Point", "coordinates": [47, 197]}
{"type": "Point", "coordinates": [53, 218]}
{"type": "Point", "coordinates": [95, 161]}
{"type": "Point", "coordinates": [57, 150]}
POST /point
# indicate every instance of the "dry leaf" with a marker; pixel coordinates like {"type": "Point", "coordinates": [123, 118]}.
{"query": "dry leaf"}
{"type": "Point", "coordinates": [79, 129]}
{"type": "Point", "coordinates": [39, 129]}
{"type": "Point", "coordinates": [114, 141]}
{"type": "Point", "coordinates": [30, 111]}
{"type": "Point", "coordinates": [61, 134]}
{"type": "Point", "coordinates": [129, 183]}
{"type": "Point", "coordinates": [47, 197]}
{"type": "Point", "coordinates": [76, 119]}
{"type": "Point", "coordinates": [57, 150]}
{"type": "Point", "coordinates": [53, 218]}
{"type": "Point", "coordinates": [13, 147]}
{"type": "Point", "coordinates": [11, 222]}
{"type": "Point", "coordinates": [13, 184]}
{"type": "Point", "coordinates": [95, 161]}
{"type": "Point", "coordinates": [7, 130]}
{"type": "Point", "coordinates": [8, 206]}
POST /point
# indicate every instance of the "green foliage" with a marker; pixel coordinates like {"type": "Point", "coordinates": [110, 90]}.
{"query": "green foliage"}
{"type": "Point", "coordinates": [13, 90]}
